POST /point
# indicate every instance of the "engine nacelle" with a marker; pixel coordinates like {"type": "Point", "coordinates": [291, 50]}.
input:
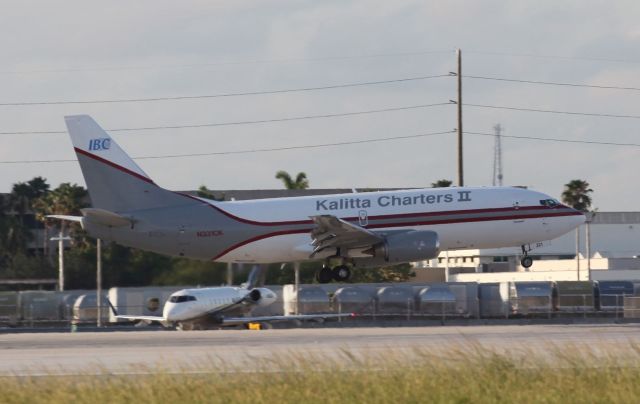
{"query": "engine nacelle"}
{"type": "Point", "coordinates": [261, 296]}
{"type": "Point", "coordinates": [415, 245]}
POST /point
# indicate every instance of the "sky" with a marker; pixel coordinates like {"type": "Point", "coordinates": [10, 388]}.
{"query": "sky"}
{"type": "Point", "coordinates": [109, 51]}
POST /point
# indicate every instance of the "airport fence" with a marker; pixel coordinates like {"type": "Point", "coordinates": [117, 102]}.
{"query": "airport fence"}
{"type": "Point", "coordinates": [574, 306]}
{"type": "Point", "coordinates": [408, 310]}
{"type": "Point", "coordinates": [48, 312]}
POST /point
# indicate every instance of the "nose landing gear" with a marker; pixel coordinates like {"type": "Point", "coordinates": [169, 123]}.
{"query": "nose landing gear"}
{"type": "Point", "coordinates": [526, 261]}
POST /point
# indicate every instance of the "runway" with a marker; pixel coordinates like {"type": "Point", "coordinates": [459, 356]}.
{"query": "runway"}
{"type": "Point", "coordinates": [132, 352]}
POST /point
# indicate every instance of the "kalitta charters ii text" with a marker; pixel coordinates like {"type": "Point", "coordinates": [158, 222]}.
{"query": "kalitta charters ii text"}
{"type": "Point", "coordinates": [392, 200]}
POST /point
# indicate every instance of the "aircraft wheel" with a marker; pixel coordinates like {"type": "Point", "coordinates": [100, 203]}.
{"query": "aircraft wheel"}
{"type": "Point", "coordinates": [325, 275]}
{"type": "Point", "coordinates": [526, 261]}
{"type": "Point", "coordinates": [341, 273]}
{"type": "Point", "coordinates": [185, 326]}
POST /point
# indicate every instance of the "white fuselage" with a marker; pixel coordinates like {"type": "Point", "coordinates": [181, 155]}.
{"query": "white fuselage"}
{"type": "Point", "coordinates": [189, 304]}
{"type": "Point", "coordinates": [463, 218]}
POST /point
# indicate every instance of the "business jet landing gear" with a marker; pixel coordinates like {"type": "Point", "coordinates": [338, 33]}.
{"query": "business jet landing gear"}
{"type": "Point", "coordinates": [185, 326]}
{"type": "Point", "coordinates": [526, 261]}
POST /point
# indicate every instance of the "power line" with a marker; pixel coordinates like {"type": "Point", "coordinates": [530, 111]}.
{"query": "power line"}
{"type": "Point", "coordinates": [229, 63]}
{"type": "Point", "coordinates": [264, 150]}
{"type": "Point", "coordinates": [552, 83]}
{"type": "Point", "coordinates": [251, 122]}
{"type": "Point", "coordinates": [310, 59]}
{"type": "Point", "coordinates": [551, 111]}
{"type": "Point", "coordinates": [547, 139]}
{"type": "Point", "coordinates": [374, 140]}
{"type": "Point", "coordinates": [193, 97]}
{"type": "Point", "coordinates": [532, 55]}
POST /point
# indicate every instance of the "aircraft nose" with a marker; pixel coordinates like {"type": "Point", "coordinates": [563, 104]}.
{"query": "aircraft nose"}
{"type": "Point", "coordinates": [169, 311]}
{"type": "Point", "coordinates": [578, 217]}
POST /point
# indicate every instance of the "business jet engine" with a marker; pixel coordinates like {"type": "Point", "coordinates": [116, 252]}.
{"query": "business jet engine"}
{"type": "Point", "coordinates": [261, 296]}
{"type": "Point", "coordinates": [411, 246]}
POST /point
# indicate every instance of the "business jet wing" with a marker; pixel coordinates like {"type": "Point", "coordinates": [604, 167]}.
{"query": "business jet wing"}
{"type": "Point", "coordinates": [142, 318]}
{"type": "Point", "coordinates": [333, 232]}
{"type": "Point", "coordinates": [134, 317]}
{"type": "Point", "coordinates": [267, 319]}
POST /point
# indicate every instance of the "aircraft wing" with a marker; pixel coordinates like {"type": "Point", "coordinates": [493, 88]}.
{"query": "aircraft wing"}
{"type": "Point", "coordinates": [267, 319]}
{"type": "Point", "coordinates": [134, 317]}
{"type": "Point", "coordinates": [333, 232]}
{"type": "Point", "coordinates": [142, 318]}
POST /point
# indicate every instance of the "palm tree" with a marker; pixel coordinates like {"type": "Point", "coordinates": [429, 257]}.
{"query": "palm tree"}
{"type": "Point", "coordinates": [67, 199]}
{"type": "Point", "coordinates": [576, 194]}
{"type": "Point", "coordinates": [19, 204]}
{"type": "Point", "coordinates": [204, 192]}
{"type": "Point", "coordinates": [441, 184]}
{"type": "Point", "coordinates": [300, 182]}
{"type": "Point", "coordinates": [23, 194]}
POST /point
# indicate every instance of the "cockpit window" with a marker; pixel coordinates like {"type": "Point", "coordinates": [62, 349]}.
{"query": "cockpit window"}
{"type": "Point", "coordinates": [549, 202]}
{"type": "Point", "coordinates": [182, 299]}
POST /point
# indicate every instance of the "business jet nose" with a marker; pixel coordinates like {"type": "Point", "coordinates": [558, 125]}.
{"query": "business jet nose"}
{"type": "Point", "coordinates": [169, 311]}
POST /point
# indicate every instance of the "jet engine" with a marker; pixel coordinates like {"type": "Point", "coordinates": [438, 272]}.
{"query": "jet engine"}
{"type": "Point", "coordinates": [415, 245]}
{"type": "Point", "coordinates": [261, 296]}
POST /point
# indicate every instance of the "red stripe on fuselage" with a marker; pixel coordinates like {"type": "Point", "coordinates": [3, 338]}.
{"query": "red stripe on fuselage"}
{"type": "Point", "coordinates": [403, 224]}
{"type": "Point", "coordinates": [377, 217]}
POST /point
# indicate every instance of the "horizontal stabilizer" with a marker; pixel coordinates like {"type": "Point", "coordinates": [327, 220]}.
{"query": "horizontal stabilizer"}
{"type": "Point", "coordinates": [106, 218]}
{"type": "Point", "coordinates": [66, 217]}
{"type": "Point", "coordinates": [99, 216]}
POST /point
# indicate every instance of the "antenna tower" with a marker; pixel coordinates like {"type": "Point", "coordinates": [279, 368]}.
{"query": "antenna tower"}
{"type": "Point", "coordinates": [497, 157]}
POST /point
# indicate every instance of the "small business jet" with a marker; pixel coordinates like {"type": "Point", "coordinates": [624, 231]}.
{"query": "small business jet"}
{"type": "Point", "coordinates": [202, 308]}
{"type": "Point", "coordinates": [360, 229]}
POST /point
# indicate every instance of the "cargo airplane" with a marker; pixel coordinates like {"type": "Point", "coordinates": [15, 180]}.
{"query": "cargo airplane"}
{"type": "Point", "coordinates": [345, 231]}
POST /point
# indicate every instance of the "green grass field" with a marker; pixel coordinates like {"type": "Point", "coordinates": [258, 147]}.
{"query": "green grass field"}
{"type": "Point", "coordinates": [468, 375]}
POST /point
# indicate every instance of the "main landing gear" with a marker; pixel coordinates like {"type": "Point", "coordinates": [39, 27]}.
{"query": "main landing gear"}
{"type": "Point", "coordinates": [526, 261]}
{"type": "Point", "coordinates": [339, 273]}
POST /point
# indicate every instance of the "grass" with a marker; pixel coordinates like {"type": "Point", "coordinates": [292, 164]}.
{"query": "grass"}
{"type": "Point", "coordinates": [601, 374]}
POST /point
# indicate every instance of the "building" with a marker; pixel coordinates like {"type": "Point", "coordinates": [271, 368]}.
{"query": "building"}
{"type": "Point", "coordinates": [608, 246]}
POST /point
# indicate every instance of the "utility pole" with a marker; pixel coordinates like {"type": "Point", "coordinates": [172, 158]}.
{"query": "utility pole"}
{"type": "Point", "coordinates": [497, 157]}
{"type": "Point", "coordinates": [99, 282]}
{"type": "Point", "coordinates": [229, 274]}
{"type": "Point", "coordinates": [578, 251]}
{"type": "Point", "coordinates": [460, 165]}
{"type": "Point", "coordinates": [296, 273]}
{"type": "Point", "coordinates": [590, 216]}
{"type": "Point", "coordinates": [60, 239]}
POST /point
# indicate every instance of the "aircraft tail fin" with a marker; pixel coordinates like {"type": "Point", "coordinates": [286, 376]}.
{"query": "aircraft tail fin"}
{"type": "Point", "coordinates": [114, 181]}
{"type": "Point", "coordinates": [256, 277]}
